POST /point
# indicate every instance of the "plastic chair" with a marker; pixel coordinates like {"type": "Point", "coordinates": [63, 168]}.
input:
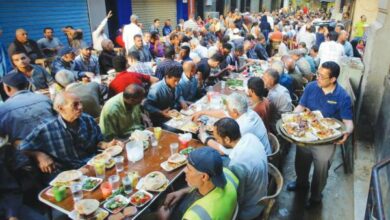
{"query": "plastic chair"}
{"type": "Point", "coordinates": [273, 158]}
{"type": "Point", "coordinates": [275, 185]}
{"type": "Point", "coordinates": [235, 213]}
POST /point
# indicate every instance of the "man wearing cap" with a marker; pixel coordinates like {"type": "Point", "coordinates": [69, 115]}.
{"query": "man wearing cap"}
{"type": "Point", "coordinates": [65, 60]}
{"type": "Point", "coordinates": [247, 160]}
{"type": "Point", "coordinates": [85, 61]}
{"type": "Point", "coordinates": [212, 191]}
{"type": "Point", "coordinates": [23, 110]}
{"type": "Point", "coordinates": [38, 77]}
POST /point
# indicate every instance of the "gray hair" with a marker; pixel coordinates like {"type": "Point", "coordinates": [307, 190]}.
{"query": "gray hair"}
{"type": "Point", "coordinates": [278, 66]}
{"type": "Point", "coordinates": [59, 100]}
{"type": "Point", "coordinates": [105, 43]}
{"type": "Point", "coordinates": [64, 77]}
{"type": "Point", "coordinates": [238, 102]}
{"type": "Point", "coordinates": [133, 18]}
{"type": "Point", "coordinates": [194, 42]}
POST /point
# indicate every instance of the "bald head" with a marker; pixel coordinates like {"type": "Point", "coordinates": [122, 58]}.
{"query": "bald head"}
{"type": "Point", "coordinates": [189, 69]}
{"type": "Point", "coordinates": [21, 35]}
{"type": "Point", "coordinates": [133, 95]}
{"type": "Point", "coordinates": [289, 64]}
{"type": "Point", "coordinates": [343, 36]}
{"type": "Point", "coordinates": [107, 45]}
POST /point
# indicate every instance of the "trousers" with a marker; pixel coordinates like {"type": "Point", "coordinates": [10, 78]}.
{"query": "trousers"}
{"type": "Point", "coordinates": [321, 157]}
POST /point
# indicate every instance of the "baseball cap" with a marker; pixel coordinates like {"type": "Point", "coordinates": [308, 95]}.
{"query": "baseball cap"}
{"type": "Point", "coordinates": [15, 79]}
{"type": "Point", "coordinates": [208, 160]}
{"type": "Point", "coordinates": [66, 50]}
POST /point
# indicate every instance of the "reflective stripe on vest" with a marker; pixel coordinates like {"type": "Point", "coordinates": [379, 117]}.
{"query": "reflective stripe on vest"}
{"type": "Point", "coordinates": [201, 212]}
{"type": "Point", "coordinates": [230, 179]}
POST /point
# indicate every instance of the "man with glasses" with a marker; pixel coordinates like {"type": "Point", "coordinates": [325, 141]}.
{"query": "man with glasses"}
{"type": "Point", "coordinates": [327, 96]}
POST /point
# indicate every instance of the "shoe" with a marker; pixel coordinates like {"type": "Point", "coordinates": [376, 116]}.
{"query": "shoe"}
{"type": "Point", "coordinates": [310, 204]}
{"type": "Point", "coordinates": [292, 186]}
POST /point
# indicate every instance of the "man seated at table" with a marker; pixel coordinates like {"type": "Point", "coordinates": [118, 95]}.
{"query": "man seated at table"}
{"type": "Point", "coordinates": [49, 45]}
{"type": "Point", "coordinates": [106, 56]}
{"type": "Point", "coordinates": [121, 114]}
{"type": "Point", "coordinates": [327, 96]}
{"type": "Point", "coordinates": [38, 77]}
{"type": "Point", "coordinates": [24, 44]}
{"type": "Point", "coordinates": [67, 141]}
{"type": "Point", "coordinates": [89, 93]}
{"type": "Point", "coordinates": [161, 97]}
{"type": "Point", "coordinates": [211, 191]}
{"type": "Point", "coordinates": [144, 52]}
{"type": "Point", "coordinates": [65, 60]}
{"type": "Point", "coordinates": [136, 66]}
{"type": "Point", "coordinates": [23, 110]}
{"type": "Point", "coordinates": [124, 78]}
{"type": "Point", "coordinates": [249, 121]}
{"type": "Point", "coordinates": [247, 160]}
{"type": "Point", "coordinates": [163, 66]}
{"type": "Point", "coordinates": [203, 68]}
{"type": "Point", "coordinates": [278, 95]}
{"type": "Point", "coordinates": [187, 89]}
{"type": "Point", "coordinates": [86, 61]}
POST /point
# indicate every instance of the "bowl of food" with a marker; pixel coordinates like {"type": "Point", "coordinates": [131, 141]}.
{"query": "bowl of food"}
{"type": "Point", "coordinates": [140, 198]}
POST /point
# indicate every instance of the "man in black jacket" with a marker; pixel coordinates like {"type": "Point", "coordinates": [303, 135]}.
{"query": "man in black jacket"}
{"type": "Point", "coordinates": [23, 44]}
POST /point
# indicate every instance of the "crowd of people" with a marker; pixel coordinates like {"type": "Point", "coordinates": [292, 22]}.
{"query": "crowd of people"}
{"type": "Point", "coordinates": [160, 70]}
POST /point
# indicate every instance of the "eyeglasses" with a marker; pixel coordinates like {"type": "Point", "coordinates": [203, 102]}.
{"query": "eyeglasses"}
{"type": "Point", "coordinates": [319, 76]}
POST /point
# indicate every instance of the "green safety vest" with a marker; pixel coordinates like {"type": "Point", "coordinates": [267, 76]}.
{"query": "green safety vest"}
{"type": "Point", "coordinates": [217, 204]}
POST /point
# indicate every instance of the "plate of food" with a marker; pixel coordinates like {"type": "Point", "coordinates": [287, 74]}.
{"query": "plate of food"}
{"type": "Point", "coordinates": [187, 151]}
{"type": "Point", "coordinates": [88, 209]}
{"type": "Point", "coordinates": [175, 114]}
{"type": "Point", "coordinates": [189, 111]}
{"type": "Point", "coordinates": [190, 127]}
{"type": "Point", "coordinates": [66, 178]}
{"type": "Point", "coordinates": [90, 183]}
{"type": "Point", "coordinates": [154, 182]}
{"type": "Point", "coordinates": [330, 122]}
{"type": "Point", "coordinates": [327, 133]}
{"type": "Point", "coordinates": [116, 204]}
{"type": "Point", "coordinates": [113, 150]}
{"type": "Point", "coordinates": [140, 198]}
{"type": "Point", "coordinates": [174, 161]}
{"type": "Point", "coordinates": [105, 157]}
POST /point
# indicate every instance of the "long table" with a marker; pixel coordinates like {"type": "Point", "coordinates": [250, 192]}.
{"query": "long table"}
{"type": "Point", "coordinates": [153, 157]}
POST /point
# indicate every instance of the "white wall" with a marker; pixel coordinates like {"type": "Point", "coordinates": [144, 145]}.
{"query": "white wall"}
{"type": "Point", "coordinates": [97, 12]}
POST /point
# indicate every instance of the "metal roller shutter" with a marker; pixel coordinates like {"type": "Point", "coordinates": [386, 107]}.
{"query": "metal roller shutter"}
{"type": "Point", "coordinates": [148, 10]}
{"type": "Point", "coordinates": [34, 15]}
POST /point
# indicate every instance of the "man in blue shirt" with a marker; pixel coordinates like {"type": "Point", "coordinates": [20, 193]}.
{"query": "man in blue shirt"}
{"type": "Point", "coordinates": [86, 61]}
{"type": "Point", "coordinates": [327, 96]}
{"type": "Point", "coordinates": [49, 45]}
{"type": "Point", "coordinates": [23, 110]}
{"type": "Point", "coordinates": [161, 97]}
{"type": "Point", "coordinates": [187, 89]}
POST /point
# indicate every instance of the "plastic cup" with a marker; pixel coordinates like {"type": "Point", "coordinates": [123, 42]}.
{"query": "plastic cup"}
{"type": "Point", "coordinates": [59, 193]}
{"type": "Point", "coordinates": [77, 191]}
{"type": "Point", "coordinates": [100, 168]}
{"type": "Point", "coordinates": [127, 184]}
{"type": "Point", "coordinates": [119, 163]}
{"type": "Point", "coordinates": [174, 148]}
{"type": "Point", "coordinates": [114, 182]}
{"type": "Point", "coordinates": [106, 189]}
{"type": "Point", "coordinates": [223, 84]}
{"type": "Point", "coordinates": [157, 133]}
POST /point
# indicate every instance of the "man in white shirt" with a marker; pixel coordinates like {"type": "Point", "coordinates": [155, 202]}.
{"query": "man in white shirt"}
{"type": "Point", "coordinates": [190, 23]}
{"type": "Point", "coordinates": [198, 49]}
{"type": "Point", "coordinates": [331, 50]}
{"type": "Point", "coordinates": [308, 37]}
{"type": "Point", "coordinates": [130, 30]}
{"type": "Point", "coordinates": [247, 160]}
{"type": "Point", "coordinates": [248, 120]}
{"type": "Point", "coordinates": [98, 35]}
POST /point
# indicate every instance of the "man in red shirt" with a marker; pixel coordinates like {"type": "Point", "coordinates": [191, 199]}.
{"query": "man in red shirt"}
{"type": "Point", "coordinates": [124, 78]}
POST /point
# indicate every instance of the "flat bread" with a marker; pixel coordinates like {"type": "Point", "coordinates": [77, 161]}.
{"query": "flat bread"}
{"type": "Point", "coordinates": [177, 158]}
{"type": "Point", "coordinates": [103, 156]}
{"type": "Point", "coordinates": [191, 127]}
{"type": "Point", "coordinates": [175, 114]}
{"type": "Point", "coordinates": [114, 150]}
{"type": "Point", "coordinates": [68, 176]}
{"type": "Point", "coordinates": [86, 206]}
{"type": "Point", "coordinates": [154, 181]}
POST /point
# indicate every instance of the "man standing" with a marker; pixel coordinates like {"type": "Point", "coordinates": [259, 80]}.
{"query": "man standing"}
{"type": "Point", "coordinates": [121, 114]}
{"type": "Point", "coordinates": [38, 77]}
{"type": "Point", "coordinates": [327, 96]}
{"type": "Point", "coordinates": [331, 50]}
{"type": "Point", "coordinates": [130, 30]}
{"type": "Point", "coordinates": [154, 27]}
{"type": "Point", "coordinates": [49, 45]}
{"type": "Point", "coordinates": [23, 44]}
{"type": "Point", "coordinates": [23, 110]}
{"type": "Point", "coordinates": [359, 28]}
{"type": "Point", "coordinates": [139, 46]}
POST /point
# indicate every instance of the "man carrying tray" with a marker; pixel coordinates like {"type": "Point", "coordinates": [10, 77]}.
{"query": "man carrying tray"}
{"type": "Point", "coordinates": [328, 97]}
